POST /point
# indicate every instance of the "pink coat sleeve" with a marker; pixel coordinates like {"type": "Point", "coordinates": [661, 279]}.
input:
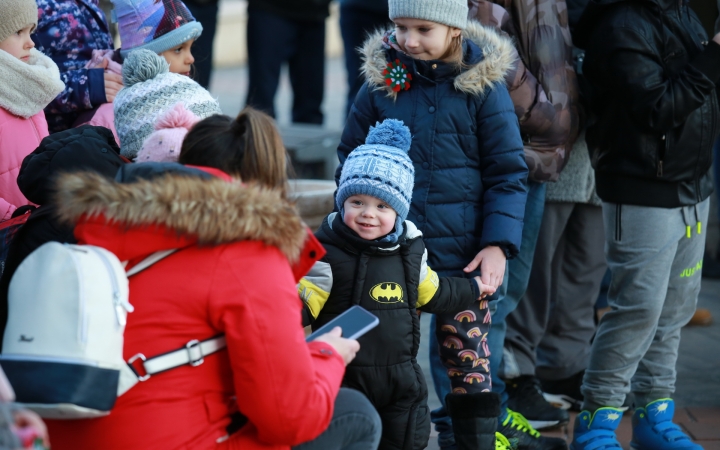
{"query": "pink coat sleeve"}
{"type": "Point", "coordinates": [285, 387]}
{"type": "Point", "coordinates": [6, 209]}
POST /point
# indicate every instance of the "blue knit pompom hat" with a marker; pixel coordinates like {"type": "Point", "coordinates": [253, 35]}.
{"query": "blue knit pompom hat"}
{"type": "Point", "coordinates": [381, 168]}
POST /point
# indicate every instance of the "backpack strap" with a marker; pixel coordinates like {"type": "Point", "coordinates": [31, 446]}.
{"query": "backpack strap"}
{"type": "Point", "coordinates": [193, 353]}
{"type": "Point", "coordinates": [150, 260]}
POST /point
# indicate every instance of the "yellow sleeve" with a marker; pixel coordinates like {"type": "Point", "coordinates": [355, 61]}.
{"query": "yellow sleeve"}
{"type": "Point", "coordinates": [428, 286]}
{"type": "Point", "coordinates": [314, 288]}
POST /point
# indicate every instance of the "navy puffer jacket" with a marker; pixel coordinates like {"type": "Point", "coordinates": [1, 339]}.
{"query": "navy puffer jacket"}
{"type": "Point", "coordinates": [470, 171]}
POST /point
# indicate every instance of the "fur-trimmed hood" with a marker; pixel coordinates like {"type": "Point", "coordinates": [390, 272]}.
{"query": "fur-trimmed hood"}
{"type": "Point", "coordinates": [211, 211]}
{"type": "Point", "coordinates": [498, 58]}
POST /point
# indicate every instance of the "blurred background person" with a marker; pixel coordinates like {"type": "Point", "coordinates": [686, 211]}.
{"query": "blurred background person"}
{"type": "Point", "coordinates": [288, 32]}
{"type": "Point", "coordinates": [358, 18]}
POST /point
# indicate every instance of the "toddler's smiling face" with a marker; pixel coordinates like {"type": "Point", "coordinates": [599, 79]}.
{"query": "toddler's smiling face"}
{"type": "Point", "coordinates": [368, 216]}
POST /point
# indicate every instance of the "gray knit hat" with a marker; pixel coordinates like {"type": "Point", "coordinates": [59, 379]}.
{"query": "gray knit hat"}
{"type": "Point", "coordinates": [150, 91]}
{"type": "Point", "coordinates": [381, 168]}
{"type": "Point", "coordinates": [452, 13]}
{"type": "Point", "coordinates": [16, 15]}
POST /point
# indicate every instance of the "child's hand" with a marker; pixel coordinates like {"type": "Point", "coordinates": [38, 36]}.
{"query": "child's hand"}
{"type": "Point", "coordinates": [492, 261]}
{"type": "Point", "coordinates": [113, 82]}
{"type": "Point", "coordinates": [484, 289]}
{"type": "Point", "coordinates": [31, 427]}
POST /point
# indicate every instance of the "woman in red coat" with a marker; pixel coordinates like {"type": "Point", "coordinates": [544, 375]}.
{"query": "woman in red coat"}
{"type": "Point", "coordinates": [241, 248]}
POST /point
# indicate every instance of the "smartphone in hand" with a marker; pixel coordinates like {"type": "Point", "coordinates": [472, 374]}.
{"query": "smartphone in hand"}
{"type": "Point", "coordinates": [354, 322]}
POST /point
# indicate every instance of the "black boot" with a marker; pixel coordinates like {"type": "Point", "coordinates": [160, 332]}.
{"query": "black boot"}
{"type": "Point", "coordinates": [474, 419]}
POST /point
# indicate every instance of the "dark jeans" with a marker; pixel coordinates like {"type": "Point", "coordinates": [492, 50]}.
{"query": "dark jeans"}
{"type": "Point", "coordinates": [518, 277]}
{"type": "Point", "coordinates": [355, 425]}
{"type": "Point", "coordinates": [273, 40]}
{"type": "Point", "coordinates": [549, 332]}
{"type": "Point", "coordinates": [202, 49]}
{"type": "Point", "coordinates": [355, 24]}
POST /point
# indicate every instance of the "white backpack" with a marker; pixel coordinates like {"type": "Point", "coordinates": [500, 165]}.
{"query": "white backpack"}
{"type": "Point", "coordinates": [63, 344]}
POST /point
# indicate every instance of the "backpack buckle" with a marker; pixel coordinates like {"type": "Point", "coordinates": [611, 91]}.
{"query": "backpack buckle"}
{"type": "Point", "coordinates": [132, 360]}
{"type": "Point", "coordinates": [195, 354]}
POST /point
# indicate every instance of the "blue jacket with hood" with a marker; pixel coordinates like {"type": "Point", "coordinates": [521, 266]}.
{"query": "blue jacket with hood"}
{"type": "Point", "coordinates": [470, 171]}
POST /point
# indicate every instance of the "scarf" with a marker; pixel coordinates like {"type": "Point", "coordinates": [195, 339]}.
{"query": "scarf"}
{"type": "Point", "coordinates": [27, 88]}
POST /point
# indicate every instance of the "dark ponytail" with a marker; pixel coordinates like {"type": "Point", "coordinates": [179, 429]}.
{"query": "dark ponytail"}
{"type": "Point", "coordinates": [248, 147]}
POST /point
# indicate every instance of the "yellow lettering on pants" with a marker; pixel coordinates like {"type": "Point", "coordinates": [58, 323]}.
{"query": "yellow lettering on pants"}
{"type": "Point", "coordinates": [690, 271]}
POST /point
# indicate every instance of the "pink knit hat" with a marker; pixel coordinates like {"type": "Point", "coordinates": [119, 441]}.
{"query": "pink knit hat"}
{"type": "Point", "coordinates": [164, 144]}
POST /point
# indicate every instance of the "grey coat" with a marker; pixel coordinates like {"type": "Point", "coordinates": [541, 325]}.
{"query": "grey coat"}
{"type": "Point", "coordinates": [576, 183]}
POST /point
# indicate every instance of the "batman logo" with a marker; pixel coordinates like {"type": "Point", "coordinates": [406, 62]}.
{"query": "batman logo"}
{"type": "Point", "coordinates": [387, 293]}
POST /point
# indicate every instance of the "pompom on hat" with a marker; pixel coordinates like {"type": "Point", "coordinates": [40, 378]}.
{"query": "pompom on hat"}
{"type": "Point", "coordinates": [16, 15]}
{"type": "Point", "coordinates": [452, 13]}
{"type": "Point", "coordinates": [165, 143]}
{"type": "Point", "coordinates": [155, 25]}
{"type": "Point", "coordinates": [150, 92]}
{"type": "Point", "coordinates": [381, 168]}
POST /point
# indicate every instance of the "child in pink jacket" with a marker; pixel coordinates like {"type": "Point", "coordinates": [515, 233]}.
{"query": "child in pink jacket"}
{"type": "Point", "coordinates": [30, 80]}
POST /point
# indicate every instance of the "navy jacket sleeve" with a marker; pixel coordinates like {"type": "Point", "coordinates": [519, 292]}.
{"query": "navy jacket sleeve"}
{"type": "Point", "coordinates": [84, 89]}
{"type": "Point", "coordinates": [504, 171]}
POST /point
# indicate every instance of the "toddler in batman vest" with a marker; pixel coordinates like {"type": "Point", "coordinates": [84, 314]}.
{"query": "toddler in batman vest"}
{"type": "Point", "coordinates": [377, 259]}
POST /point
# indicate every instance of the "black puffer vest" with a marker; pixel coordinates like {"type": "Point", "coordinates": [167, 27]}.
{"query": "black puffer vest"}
{"type": "Point", "coordinates": [382, 278]}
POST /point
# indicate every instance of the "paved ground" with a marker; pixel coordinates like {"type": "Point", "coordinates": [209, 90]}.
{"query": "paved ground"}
{"type": "Point", "coordinates": [230, 87]}
{"type": "Point", "coordinates": [698, 382]}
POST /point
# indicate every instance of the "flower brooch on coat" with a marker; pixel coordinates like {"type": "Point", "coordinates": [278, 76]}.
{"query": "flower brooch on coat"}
{"type": "Point", "coordinates": [397, 76]}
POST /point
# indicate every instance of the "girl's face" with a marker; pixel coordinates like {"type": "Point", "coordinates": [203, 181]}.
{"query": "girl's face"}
{"type": "Point", "coordinates": [180, 58]}
{"type": "Point", "coordinates": [19, 43]}
{"type": "Point", "coordinates": [422, 39]}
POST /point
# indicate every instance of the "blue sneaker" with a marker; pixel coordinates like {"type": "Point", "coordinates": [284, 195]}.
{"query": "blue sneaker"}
{"type": "Point", "coordinates": [653, 428]}
{"type": "Point", "coordinates": [597, 431]}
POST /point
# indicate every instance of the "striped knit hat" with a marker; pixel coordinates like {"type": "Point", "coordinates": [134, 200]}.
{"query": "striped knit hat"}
{"type": "Point", "coordinates": [381, 168]}
{"type": "Point", "coordinates": [150, 91]}
{"type": "Point", "coordinates": [157, 25]}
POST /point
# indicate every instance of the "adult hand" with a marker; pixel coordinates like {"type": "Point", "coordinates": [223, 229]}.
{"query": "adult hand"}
{"type": "Point", "coordinates": [485, 289]}
{"type": "Point", "coordinates": [113, 84]}
{"type": "Point", "coordinates": [28, 420]}
{"type": "Point", "coordinates": [716, 38]}
{"type": "Point", "coordinates": [347, 348]}
{"type": "Point", "coordinates": [492, 261]}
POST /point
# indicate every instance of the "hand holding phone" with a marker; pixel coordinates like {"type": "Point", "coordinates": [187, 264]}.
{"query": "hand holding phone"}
{"type": "Point", "coordinates": [342, 331]}
{"type": "Point", "coordinates": [347, 348]}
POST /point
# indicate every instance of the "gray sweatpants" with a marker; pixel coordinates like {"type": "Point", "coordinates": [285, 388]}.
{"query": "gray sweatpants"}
{"type": "Point", "coordinates": [549, 332]}
{"type": "Point", "coordinates": [655, 256]}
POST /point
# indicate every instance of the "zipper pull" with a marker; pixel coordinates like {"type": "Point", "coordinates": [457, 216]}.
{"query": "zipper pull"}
{"type": "Point", "coordinates": [699, 227]}
{"type": "Point", "coordinates": [660, 169]}
{"type": "Point", "coordinates": [122, 307]}
{"type": "Point", "coordinates": [688, 231]}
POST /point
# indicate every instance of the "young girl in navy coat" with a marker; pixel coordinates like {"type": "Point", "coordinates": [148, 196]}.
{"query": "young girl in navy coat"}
{"type": "Point", "coordinates": [470, 173]}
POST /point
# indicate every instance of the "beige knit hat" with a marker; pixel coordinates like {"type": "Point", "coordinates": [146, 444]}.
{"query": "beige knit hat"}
{"type": "Point", "coordinates": [16, 15]}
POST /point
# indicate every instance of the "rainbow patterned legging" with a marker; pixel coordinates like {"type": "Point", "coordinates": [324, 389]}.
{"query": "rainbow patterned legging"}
{"type": "Point", "coordinates": [463, 340]}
